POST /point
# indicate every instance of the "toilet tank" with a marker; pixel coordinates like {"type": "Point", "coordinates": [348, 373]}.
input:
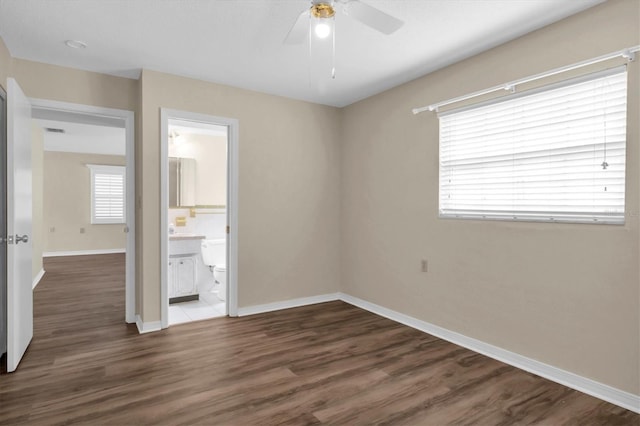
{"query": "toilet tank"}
{"type": "Point", "coordinates": [214, 251]}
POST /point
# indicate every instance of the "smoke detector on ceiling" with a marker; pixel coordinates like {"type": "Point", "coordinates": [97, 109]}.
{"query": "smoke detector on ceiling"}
{"type": "Point", "coordinates": [75, 44]}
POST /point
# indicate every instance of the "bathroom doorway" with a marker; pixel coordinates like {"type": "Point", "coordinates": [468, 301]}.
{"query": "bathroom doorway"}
{"type": "Point", "coordinates": [199, 217]}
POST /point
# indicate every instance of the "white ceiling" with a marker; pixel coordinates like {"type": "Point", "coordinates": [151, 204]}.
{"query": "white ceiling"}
{"type": "Point", "coordinates": [240, 42]}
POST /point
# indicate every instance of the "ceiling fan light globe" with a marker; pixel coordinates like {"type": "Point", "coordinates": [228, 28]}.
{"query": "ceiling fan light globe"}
{"type": "Point", "coordinates": [322, 30]}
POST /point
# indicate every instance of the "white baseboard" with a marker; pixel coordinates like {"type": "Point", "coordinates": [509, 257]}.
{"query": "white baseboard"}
{"type": "Point", "coordinates": [82, 252]}
{"type": "Point", "coordinates": [147, 327]}
{"type": "Point", "coordinates": [37, 279]}
{"type": "Point", "coordinates": [286, 304]}
{"type": "Point", "coordinates": [591, 387]}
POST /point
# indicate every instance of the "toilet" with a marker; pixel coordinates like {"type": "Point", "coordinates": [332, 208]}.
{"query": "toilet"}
{"type": "Point", "coordinates": [214, 256]}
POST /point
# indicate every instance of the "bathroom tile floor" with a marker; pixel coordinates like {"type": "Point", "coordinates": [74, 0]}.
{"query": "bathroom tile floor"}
{"type": "Point", "coordinates": [195, 310]}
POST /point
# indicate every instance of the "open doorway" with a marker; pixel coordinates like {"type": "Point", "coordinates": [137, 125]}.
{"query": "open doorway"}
{"type": "Point", "coordinates": [197, 174]}
{"type": "Point", "coordinates": [198, 217]}
{"type": "Point", "coordinates": [87, 196]}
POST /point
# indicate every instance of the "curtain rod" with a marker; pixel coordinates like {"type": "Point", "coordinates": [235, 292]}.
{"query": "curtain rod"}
{"type": "Point", "coordinates": [628, 53]}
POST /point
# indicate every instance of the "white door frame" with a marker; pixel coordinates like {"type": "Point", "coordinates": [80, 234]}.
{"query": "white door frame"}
{"type": "Point", "coordinates": [129, 123]}
{"type": "Point", "coordinates": [232, 125]}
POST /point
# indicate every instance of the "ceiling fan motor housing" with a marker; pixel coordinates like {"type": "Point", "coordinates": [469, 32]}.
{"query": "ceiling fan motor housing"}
{"type": "Point", "coordinates": [322, 10]}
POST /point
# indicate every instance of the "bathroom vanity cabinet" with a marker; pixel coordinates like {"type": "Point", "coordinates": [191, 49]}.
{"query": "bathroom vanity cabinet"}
{"type": "Point", "coordinates": [182, 275]}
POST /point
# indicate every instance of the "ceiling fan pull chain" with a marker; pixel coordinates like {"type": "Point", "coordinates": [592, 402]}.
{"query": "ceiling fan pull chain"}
{"type": "Point", "coordinates": [309, 66]}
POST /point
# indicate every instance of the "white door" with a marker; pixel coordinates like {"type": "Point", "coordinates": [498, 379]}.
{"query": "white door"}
{"type": "Point", "coordinates": [19, 280]}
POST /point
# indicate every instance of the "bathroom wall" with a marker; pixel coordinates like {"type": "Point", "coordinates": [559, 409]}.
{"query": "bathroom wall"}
{"type": "Point", "coordinates": [563, 294]}
{"type": "Point", "coordinates": [210, 153]}
{"type": "Point", "coordinates": [67, 201]}
{"type": "Point", "coordinates": [5, 64]}
{"type": "Point", "coordinates": [208, 222]}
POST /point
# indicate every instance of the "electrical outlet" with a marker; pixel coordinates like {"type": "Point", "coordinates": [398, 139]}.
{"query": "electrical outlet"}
{"type": "Point", "coordinates": [425, 265]}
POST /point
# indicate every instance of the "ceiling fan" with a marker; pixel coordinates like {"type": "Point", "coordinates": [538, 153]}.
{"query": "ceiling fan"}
{"type": "Point", "coordinates": [322, 12]}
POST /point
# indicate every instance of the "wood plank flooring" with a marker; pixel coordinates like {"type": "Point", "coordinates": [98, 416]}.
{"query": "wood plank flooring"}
{"type": "Point", "coordinates": [329, 363]}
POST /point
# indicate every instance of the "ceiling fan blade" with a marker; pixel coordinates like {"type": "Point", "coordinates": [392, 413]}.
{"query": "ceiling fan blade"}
{"type": "Point", "coordinates": [375, 18]}
{"type": "Point", "coordinates": [300, 29]}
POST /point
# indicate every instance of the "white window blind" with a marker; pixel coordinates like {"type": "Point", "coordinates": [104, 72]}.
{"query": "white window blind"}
{"type": "Point", "coordinates": [107, 194]}
{"type": "Point", "coordinates": [553, 154]}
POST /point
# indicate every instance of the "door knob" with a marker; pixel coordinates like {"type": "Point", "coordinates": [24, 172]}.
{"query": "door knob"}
{"type": "Point", "coordinates": [24, 238]}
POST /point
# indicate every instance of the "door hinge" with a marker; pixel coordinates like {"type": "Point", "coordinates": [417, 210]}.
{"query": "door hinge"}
{"type": "Point", "coordinates": [227, 229]}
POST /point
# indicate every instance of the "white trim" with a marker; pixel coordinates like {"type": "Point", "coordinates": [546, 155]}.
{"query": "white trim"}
{"type": "Point", "coordinates": [82, 252]}
{"type": "Point", "coordinates": [232, 125]}
{"type": "Point", "coordinates": [37, 279]}
{"type": "Point", "coordinates": [287, 304]}
{"type": "Point", "coordinates": [147, 327]}
{"type": "Point", "coordinates": [129, 124]}
{"type": "Point", "coordinates": [566, 378]}
{"type": "Point", "coordinates": [233, 204]}
{"type": "Point", "coordinates": [130, 296]}
{"type": "Point", "coordinates": [164, 218]}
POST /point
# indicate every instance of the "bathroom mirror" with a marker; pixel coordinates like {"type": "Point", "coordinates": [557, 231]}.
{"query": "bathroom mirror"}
{"type": "Point", "coordinates": [182, 182]}
{"type": "Point", "coordinates": [198, 172]}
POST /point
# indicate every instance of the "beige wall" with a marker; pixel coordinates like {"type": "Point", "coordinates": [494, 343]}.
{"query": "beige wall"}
{"type": "Point", "coordinates": [210, 154]}
{"type": "Point", "coordinates": [566, 295]}
{"type": "Point", "coordinates": [289, 188]}
{"type": "Point", "coordinates": [37, 162]}
{"type": "Point", "coordinates": [67, 203]}
{"type": "Point", "coordinates": [63, 84]}
{"type": "Point", "coordinates": [5, 64]}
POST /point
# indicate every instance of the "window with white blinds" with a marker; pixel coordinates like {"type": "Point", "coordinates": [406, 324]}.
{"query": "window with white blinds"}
{"type": "Point", "coordinates": [107, 194]}
{"type": "Point", "coordinates": [553, 154]}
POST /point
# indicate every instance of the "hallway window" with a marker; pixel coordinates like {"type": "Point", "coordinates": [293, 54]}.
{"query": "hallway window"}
{"type": "Point", "coordinates": [107, 194]}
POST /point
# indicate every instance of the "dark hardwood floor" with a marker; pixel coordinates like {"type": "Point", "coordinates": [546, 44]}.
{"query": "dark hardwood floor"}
{"type": "Point", "coordinates": [329, 363]}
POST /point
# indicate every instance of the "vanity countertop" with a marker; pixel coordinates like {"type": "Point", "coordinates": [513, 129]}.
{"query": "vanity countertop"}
{"type": "Point", "coordinates": [179, 237]}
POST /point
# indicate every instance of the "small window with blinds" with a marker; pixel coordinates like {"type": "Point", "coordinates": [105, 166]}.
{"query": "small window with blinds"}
{"type": "Point", "coordinates": [553, 154]}
{"type": "Point", "coordinates": [107, 194]}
